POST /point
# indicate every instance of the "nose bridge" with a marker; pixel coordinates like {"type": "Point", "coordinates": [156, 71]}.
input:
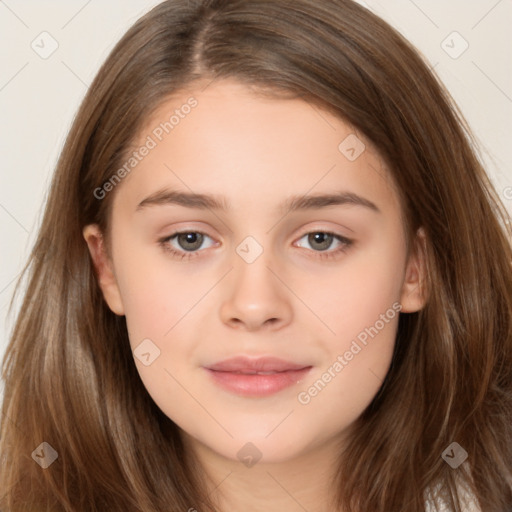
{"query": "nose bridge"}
{"type": "Point", "coordinates": [256, 296]}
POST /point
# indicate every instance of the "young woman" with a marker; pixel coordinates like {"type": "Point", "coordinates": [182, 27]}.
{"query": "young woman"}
{"type": "Point", "coordinates": [271, 275]}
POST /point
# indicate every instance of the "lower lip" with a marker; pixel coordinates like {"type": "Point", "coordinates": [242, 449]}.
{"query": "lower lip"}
{"type": "Point", "coordinates": [257, 385]}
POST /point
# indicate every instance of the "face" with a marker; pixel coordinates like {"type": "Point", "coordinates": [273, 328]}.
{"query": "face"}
{"type": "Point", "coordinates": [259, 256]}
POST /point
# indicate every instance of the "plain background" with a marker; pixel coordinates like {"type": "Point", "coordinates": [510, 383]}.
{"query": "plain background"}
{"type": "Point", "coordinates": [39, 96]}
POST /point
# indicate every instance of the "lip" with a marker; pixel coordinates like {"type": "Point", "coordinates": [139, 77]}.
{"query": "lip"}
{"type": "Point", "coordinates": [256, 377]}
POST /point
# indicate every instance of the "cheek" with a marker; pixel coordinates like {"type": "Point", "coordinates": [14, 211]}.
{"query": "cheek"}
{"type": "Point", "coordinates": [360, 305]}
{"type": "Point", "coordinates": [151, 307]}
{"type": "Point", "coordinates": [157, 294]}
{"type": "Point", "coordinates": [354, 368]}
{"type": "Point", "coordinates": [352, 296]}
{"type": "Point", "coordinates": [161, 310]}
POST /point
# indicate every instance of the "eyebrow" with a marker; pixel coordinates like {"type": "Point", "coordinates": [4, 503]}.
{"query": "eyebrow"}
{"type": "Point", "coordinates": [219, 203]}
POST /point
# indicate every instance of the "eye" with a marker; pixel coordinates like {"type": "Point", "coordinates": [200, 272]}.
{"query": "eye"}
{"type": "Point", "coordinates": [321, 241]}
{"type": "Point", "coordinates": [187, 242]}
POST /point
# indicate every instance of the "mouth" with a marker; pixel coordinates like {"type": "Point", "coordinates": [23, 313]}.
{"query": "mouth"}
{"type": "Point", "coordinates": [259, 377]}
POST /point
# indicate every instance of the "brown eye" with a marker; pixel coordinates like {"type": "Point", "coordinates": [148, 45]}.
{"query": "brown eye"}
{"type": "Point", "coordinates": [184, 244]}
{"type": "Point", "coordinates": [190, 241]}
{"type": "Point", "coordinates": [321, 241]}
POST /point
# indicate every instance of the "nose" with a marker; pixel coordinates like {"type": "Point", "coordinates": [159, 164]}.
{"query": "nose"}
{"type": "Point", "coordinates": [256, 297]}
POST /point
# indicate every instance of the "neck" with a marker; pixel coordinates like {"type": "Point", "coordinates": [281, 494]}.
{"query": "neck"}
{"type": "Point", "coordinates": [295, 485]}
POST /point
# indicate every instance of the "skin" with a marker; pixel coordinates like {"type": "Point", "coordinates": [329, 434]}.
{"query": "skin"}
{"type": "Point", "coordinates": [289, 303]}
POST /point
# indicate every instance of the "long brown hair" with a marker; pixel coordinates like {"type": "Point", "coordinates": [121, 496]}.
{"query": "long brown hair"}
{"type": "Point", "coordinates": [70, 378]}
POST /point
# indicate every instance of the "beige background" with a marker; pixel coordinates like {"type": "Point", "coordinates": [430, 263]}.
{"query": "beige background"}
{"type": "Point", "coordinates": [39, 96]}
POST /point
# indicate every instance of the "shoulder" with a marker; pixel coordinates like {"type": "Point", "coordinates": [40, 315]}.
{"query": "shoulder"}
{"type": "Point", "coordinates": [435, 503]}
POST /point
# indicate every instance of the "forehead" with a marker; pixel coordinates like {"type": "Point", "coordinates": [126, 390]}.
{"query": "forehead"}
{"type": "Point", "coordinates": [231, 141]}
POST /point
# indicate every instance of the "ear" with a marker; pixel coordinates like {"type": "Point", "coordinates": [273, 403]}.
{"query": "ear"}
{"type": "Point", "coordinates": [104, 268]}
{"type": "Point", "coordinates": [413, 295]}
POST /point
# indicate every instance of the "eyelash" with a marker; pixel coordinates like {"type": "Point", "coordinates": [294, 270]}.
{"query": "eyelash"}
{"type": "Point", "coordinates": [325, 255]}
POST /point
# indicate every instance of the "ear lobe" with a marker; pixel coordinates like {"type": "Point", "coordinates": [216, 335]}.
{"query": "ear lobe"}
{"type": "Point", "coordinates": [104, 268]}
{"type": "Point", "coordinates": [414, 293]}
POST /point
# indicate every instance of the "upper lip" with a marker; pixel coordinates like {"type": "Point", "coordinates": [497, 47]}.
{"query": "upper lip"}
{"type": "Point", "coordinates": [245, 364]}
